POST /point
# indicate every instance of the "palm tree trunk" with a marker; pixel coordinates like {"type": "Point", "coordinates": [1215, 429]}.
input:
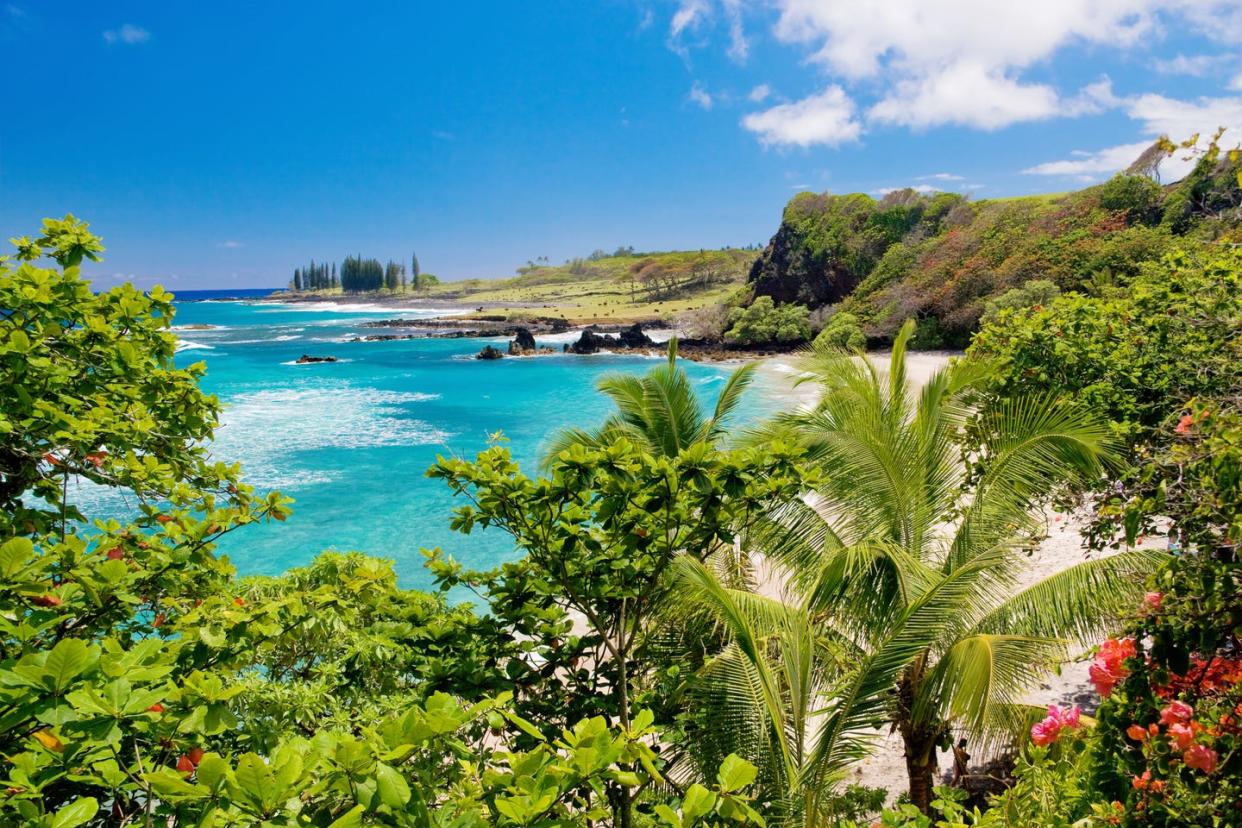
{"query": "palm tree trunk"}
{"type": "Point", "coordinates": [921, 770]}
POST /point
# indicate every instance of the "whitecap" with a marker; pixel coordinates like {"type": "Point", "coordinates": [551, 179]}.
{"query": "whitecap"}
{"type": "Point", "coordinates": [189, 345]}
{"type": "Point", "coordinates": [267, 430]}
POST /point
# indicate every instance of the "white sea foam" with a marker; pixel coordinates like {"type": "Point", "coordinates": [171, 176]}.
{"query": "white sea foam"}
{"type": "Point", "coordinates": [199, 328]}
{"type": "Point", "coordinates": [358, 307]}
{"type": "Point", "coordinates": [267, 430]}
{"type": "Point", "coordinates": [190, 345]}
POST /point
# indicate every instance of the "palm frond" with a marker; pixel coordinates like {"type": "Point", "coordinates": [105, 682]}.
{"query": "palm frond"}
{"type": "Point", "coordinates": [1080, 603]}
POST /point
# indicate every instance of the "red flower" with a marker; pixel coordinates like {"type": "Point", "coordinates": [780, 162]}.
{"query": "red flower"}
{"type": "Point", "coordinates": [156, 708]}
{"type": "Point", "coordinates": [196, 756]}
{"type": "Point", "coordinates": [1200, 757]}
{"type": "Point", "coordinates": [1137, 732]}
{"type": "Point", "coordinates": [185, 766]}
{"type": "Point", "coordinates": [1141, 782]}
{"type": "Point", "coordinates": [1184, 424]}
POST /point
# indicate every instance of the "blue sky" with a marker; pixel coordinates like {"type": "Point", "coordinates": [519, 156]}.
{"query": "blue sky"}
{"type": "Point", "coordinates": [222, 144]}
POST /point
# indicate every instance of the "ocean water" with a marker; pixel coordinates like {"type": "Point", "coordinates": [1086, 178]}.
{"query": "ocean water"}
{"type": "Point", "coordinates": [351, 441]}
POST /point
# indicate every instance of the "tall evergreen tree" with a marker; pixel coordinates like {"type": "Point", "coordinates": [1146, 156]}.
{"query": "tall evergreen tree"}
{"type": "Point", "coordinates": [297, 279]}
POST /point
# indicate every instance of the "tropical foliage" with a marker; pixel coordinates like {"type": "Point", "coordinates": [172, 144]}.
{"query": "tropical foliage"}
{"type": "Point", "coordinates": [763, 323]}
{"type": "Point", "coordinates": [943, 258]}
{"type": "Point", "coordinates": [658, 411]}
{"type": "Point", "coordinates": [905, 561]}
{"type": "Point", "coordinates": [692, 632]}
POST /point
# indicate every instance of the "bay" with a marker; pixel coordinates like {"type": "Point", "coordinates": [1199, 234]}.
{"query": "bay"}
{"type": "Point", "coordinates": [351, 441]}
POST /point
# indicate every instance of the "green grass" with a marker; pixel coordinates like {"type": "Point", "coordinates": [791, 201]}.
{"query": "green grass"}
{"type": "Point", "coordinates": [608, 289]}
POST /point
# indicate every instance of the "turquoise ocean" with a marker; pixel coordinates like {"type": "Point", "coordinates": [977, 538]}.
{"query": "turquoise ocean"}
{"type": "Point", "coordinates": [351, 441]}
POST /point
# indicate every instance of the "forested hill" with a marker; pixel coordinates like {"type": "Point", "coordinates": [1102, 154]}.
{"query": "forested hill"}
{"type": "Point", "coordinates": [941, 259]}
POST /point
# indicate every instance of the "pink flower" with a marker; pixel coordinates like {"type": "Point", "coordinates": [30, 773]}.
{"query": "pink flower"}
{"type": "Point", "coordinates": [1107, 668]}
{"type": "Point", "coordinates": [1045, 732]}
{"type": "Point", "coordinates": [1067, 717]}
{"type": "Point", "coordinates": [1153, 599]}
{"type": "Point", "coordinates": [1182, 735]}
{"type": "Point", "coordinates": [1184, 424]}
{"type": "Point", "coordinates": [1141, 782]}
{"type": "Point", "coordinates": [1176, 712]}
{"type": "Point", "coordinates": [1201, 758]}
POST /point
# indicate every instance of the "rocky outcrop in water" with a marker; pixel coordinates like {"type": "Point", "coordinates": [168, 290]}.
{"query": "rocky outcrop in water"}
{"type": "Point", "coordinates": [490, 352]}
{"type": "Point", "coordinates": [523, 342]}
{"type": "Point", "coordinates": [592, 341]}
{"type": "Point", "coordinates": [307, 359]}
{"type": "Point", "coordinates": [633, 337]}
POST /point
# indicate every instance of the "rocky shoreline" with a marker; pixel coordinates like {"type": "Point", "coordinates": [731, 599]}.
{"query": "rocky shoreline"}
{"type": "Point", "coordinates": [592, 339]}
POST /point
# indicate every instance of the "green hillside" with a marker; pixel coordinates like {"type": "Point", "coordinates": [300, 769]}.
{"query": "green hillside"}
{"type": "Point", "coordinates": [944, 260]}
{"type": "Point", "coordinates": [614, 288]}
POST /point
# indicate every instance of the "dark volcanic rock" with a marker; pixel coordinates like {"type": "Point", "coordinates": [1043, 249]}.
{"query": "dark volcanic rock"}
{"type": "Point", "coordinates": [788, 272]}
{"type": "Point", "coordinates": [523, 342]}
{"type": "Point", "coordinates": [489, 352]}
{"type": "Point", "coordinates": [560, 325]}
{"type": "Point", "coordinates": [591, 342]}
{"type": "Point", "coordinates": [304, 359]}
{"type": "Point", "coordinates": [633, 337]}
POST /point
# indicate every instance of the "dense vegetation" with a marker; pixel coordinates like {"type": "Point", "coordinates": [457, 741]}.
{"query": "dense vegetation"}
{"type": "Point", "coordinates": [946, 261]}
{"type": "Point", "coordinates": [634, 665]}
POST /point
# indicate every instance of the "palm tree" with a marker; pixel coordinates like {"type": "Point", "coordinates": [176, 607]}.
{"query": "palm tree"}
{"type": "Point", "coordinates": [905, 558]}
{"type": "Point", "coordinates": [659, 411]}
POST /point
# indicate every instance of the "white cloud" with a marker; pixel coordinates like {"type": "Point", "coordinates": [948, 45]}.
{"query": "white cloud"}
{"type": "Point", "coordinates": [1104, 161]}
{"type": "Point", "coordinates": [965, 62]}
{"type": "Point", "coordinates": [1157, 115]}
{"type": "Point", "coordinates": [688, 15]}
{"type": "Point", "coordinates": [827, 118]}
{"type": "Point", "coordinates": [230, 243]}
{"type": "Point", "coordinates": [739, 47]}
{"type": "Point", "coordinates": [968, 94]}
{"type": "Point", "coordinates": [760, 93]}
{"type": "Point", "coordinates": [700, 97]}
{"type": "Point", "coordinates": [691, 14]}
{"type": "Point", "coordinates": [914, 36]}
{"type": "Point", "coordinates": [1198, 66]}
{"type": "Point", "coordinates": [128, 34]}
{"type": "Point", "coordinates": [941, 177]}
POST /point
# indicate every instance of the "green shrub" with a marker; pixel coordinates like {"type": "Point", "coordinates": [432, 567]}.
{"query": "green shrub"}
{"type": "Point", "coordinates": [764, 323]}
{"type": "Point", "coordinates": [1034, 294]}
{"type": "Point", "coordinates": [842, 331]}
{"type": "Point", "coordinates": [1136, 196]}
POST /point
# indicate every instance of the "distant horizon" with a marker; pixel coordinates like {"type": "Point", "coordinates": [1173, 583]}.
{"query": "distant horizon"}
{"type": "Point", "coordinates": [481, 137]}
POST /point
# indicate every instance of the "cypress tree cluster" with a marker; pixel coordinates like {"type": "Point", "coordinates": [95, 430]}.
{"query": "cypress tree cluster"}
{"type": "Point", "coordinates": [357, 275]}
{"type": "Point", "coordinates": [314, 277]}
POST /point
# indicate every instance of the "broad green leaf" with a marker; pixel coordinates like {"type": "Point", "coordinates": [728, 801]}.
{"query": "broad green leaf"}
{"type": "Point", "coordinates": [76, 813]}
{"type": "Point", "coordinates": [735, 773]}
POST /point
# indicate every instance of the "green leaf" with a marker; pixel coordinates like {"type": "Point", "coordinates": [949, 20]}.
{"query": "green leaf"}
{"type": "Point", "coordinates": [698, 802]}
{"type": "Point", "coordinates": [668, 815]}
{"type": "Point", "coordinates": [68, 659]}
{"type": "Point", "coordinates": [735, 773]}
{"type": "Point", "coordinates": [76, 813]}
{"type": "Point", "coordinates": [350, 819]}
{"type": "Point", "coordinates": [393, 790]}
